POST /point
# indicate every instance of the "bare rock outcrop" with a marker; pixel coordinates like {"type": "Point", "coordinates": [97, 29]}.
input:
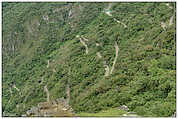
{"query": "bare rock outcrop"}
{"type": "Point", "coordinates": [123, 107]}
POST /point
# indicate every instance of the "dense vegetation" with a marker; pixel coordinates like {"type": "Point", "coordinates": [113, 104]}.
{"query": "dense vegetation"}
{"type": "Point", "coordinates": [144, 77]}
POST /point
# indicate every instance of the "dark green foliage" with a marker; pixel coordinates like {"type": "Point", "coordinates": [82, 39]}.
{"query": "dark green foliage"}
{"type": "Point", "coordinates": [144, 78]}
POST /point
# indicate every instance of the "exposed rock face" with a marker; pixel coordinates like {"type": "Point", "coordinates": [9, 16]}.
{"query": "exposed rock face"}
{"type": "Point", "coordinates": [123, 107]}
{"type": "Point", "coordinates": [46, 18]}
{"type": "Point", "coordinates": [33, 110]}
{"type": "Point", "coordinates": [55, 108]}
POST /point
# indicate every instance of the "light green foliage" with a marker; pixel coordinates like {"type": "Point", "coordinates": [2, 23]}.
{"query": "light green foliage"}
{"type": "Point", "coordinates": [113, 112]}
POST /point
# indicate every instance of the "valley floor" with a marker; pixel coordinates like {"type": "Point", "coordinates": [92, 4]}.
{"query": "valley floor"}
{"type": "Point", "coordinates": [112, 112]}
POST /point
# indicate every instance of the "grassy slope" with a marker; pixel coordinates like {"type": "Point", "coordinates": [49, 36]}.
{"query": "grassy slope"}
{"type": "Point", "coordinates": [144, 76]}
{"type": "Point", "coordinates": [113, 112]}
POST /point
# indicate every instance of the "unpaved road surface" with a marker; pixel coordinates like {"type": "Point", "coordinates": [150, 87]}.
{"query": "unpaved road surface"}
{"type": "Point", "coordinates": [48, 64]}
{"type": "Point", "coordinates": [20, 93]}
{"type": "Point", "coordinates": [108, 12]}
{"type": "Point", "coordinates": [167, 4]}
{"type": "Point", "coordinates": [41, 80]}
{"type": "Point", "coordinates": [47, 92]}
{"type": "Point", "coordinates": [171, 20]}
{"type": "Point", "coordinates": [10, 90]}
{"type": "Point", "coordinates": [68, 92]}
{"type": "Point", "coordinates": [86, 47]}
{"type": "Point", "coordinates": [106, 68]}
{"type": "Point", "coordinates": [116, 55]}
{"type": "Point", "coordinates": [99, 55]}
{"type": "Point", "coordinates": [163, 25]}
{"type": "Point", "coordinates": [97, 44]}
{"type": "Point", "coordinates": [120, 23]}
{"type": "Point", "coordinates": [84, 39]}
{"type": "Point", "coordinates": [14, 86]}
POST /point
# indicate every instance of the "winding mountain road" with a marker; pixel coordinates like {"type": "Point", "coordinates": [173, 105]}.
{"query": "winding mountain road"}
{"type": "Point", "coordinates": [163, 25]}
{"type": "Point", "coordinates": [99, 55]}
{"type": "Point", "coordinates": [108, 12]}
{"type": "Point", "coordinates": [48, 64]}
{"type": "Point", "coordinates": [47, 93]}
{"type": "Point", "coordinates": [116, 55]}
{"type": "Point", "coordinates": [86, 47]}
{"type": "Point", "coordinates": [14, 86]}
{"type": "Point", "coordinates": [171, 20]}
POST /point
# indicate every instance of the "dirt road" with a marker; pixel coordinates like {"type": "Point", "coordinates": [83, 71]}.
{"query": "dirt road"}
{"type": "Point", "coordinates": [86, 47]}
{"type": "Point", "coordinates": [47, 93]}
{"type": "Point", "coordinates": [116, 55]}
{"type": "Point", "coordinates": [171, 20]}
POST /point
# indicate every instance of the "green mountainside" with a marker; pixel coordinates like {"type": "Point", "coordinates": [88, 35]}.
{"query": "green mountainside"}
{"type": "Point", "coordinates": [98, 56]}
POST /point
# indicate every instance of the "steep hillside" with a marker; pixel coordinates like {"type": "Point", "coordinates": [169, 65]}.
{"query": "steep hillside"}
{"type": "Point", "coordinates": [95, 56]}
